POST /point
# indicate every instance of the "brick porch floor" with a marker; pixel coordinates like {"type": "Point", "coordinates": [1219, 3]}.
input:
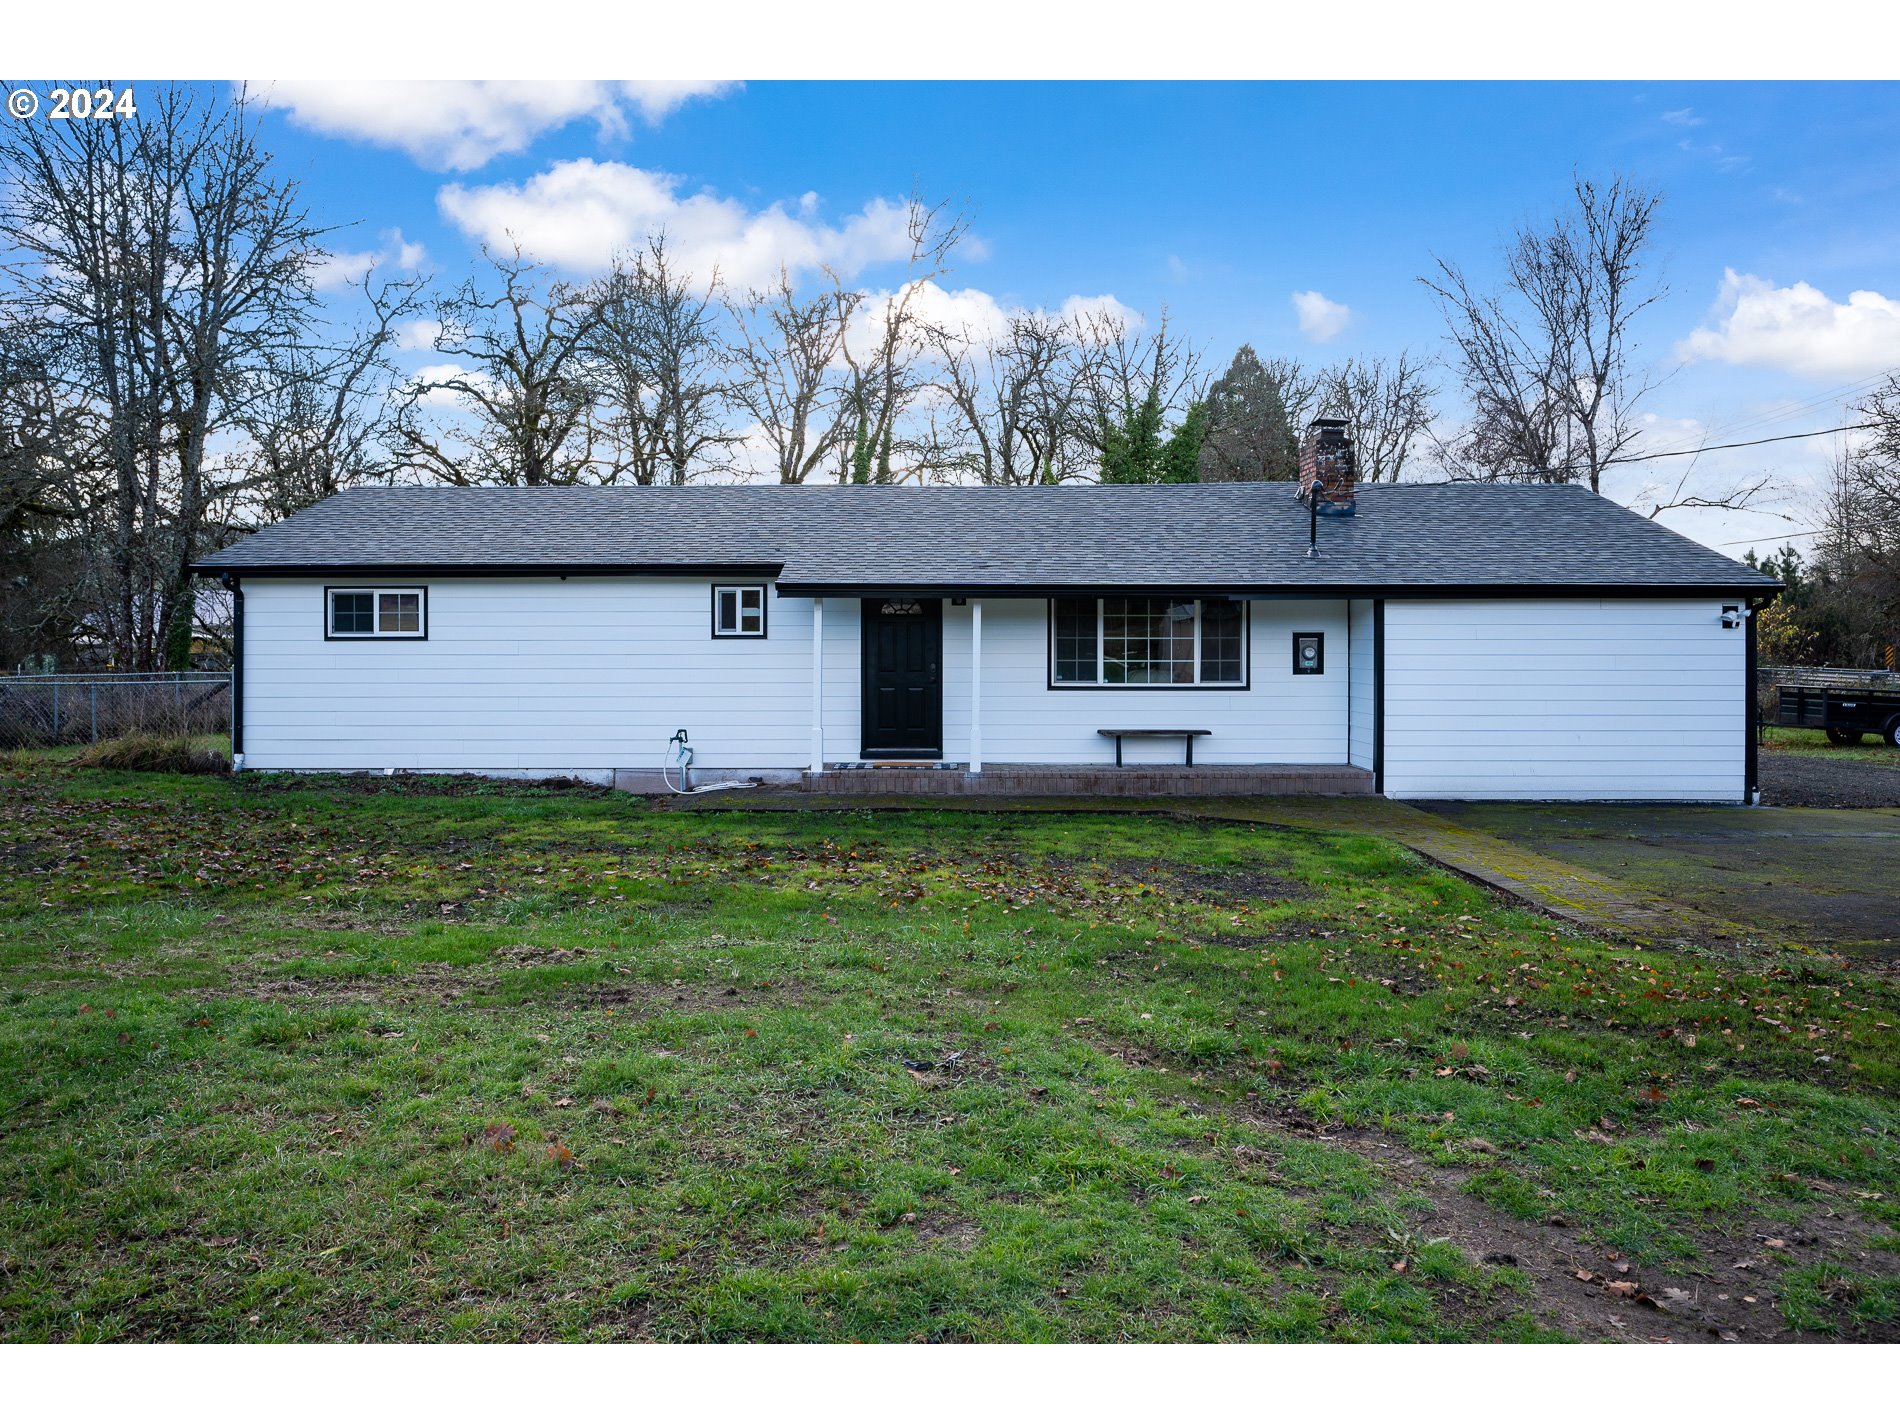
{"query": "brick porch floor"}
{"type": "Point", "coordinates": [1149, 780]}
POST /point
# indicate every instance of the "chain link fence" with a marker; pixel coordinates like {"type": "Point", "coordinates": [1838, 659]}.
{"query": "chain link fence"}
{"type": "Point", "coordinates": [63, 709]}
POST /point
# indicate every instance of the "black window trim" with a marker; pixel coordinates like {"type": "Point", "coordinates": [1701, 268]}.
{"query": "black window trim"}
{"type": "Point", "coordinates": [765, 611]}
{"type": "Point", "coordinates": [1246, 650]}
{"type": "Point", "coordinates": [422, 608]}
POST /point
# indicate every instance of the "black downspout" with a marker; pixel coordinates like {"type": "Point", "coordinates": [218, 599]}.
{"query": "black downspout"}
{"type": "Point", "coordinates": [1378, 696]}
{"type": "Point", "coordinates": [1752, 757]}
{"type": "Point", "coordinates": [235, 585]}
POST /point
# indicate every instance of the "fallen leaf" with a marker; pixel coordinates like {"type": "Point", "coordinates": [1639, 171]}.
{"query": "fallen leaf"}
{"type": "Point", "coordinates": [1623, 1289]}
{"type": "Point", "coordinates": [500, 1137]}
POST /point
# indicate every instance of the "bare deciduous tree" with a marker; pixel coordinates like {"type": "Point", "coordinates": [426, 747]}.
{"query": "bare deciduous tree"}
{"type": "Point", "coordinates": [1388, 404]}
{"type": "Point", "coordinates": [1014, 399]}
{"type": "Point", "coordinates": [884, 374]}
{"type": "Point", "coordinates": [522, 408]}
{"type": "Point", "coordinates": [319, 421]}
{"type": "Point", "coordinates": [659, 362]}
{"type": "Point", "coordinates": [784, 354]}
{"type": "Point", "coordinates": [1119, 371]}
{"type": "Point", "coordinates": [169, 259]}
{"type": "Point", "coordinates": [1545, 363]}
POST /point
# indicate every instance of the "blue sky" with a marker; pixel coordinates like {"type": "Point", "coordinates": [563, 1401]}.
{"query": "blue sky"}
{"type": "Point", "coordinates": [1217, 202]}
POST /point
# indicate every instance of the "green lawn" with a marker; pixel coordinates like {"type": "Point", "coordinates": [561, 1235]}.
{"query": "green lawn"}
{"type": "Point", "coordinates": [303, 1060]}
{"type": "Point", "coordinates": [1812, 741]}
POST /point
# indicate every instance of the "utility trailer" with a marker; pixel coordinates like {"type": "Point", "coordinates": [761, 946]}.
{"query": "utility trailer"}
{"type": "Point", "coordinates": [1847, 712]}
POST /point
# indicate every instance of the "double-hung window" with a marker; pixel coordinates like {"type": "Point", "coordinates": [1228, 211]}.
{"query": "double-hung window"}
{"type": "Point", "coordinates": [1147, 641]}
{"type": "Point", "coordinates": [738, 611]}
{"type": "Point", "coordinates": [376, 613]}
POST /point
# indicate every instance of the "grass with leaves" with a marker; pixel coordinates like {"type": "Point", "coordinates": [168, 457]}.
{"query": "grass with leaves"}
{"type": "Point", "coordinates": [297, 1059]}
{"type": "Point", "coordinates": [1813, 742]}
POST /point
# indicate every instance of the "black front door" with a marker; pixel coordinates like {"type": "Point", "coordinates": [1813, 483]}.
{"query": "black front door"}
{"type": "Point", "coordinates": [903, 678]}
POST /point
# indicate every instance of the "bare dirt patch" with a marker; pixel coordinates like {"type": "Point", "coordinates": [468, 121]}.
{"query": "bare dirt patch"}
{"type": "Point", "coordinates": [956, 1234]}
{"type": "Point", "coordinates": [1577, 1285]}
{"type": "Point", "coordinates": [1224, 889]}
{"type": "Point", "coordinates": [1586, 1291]}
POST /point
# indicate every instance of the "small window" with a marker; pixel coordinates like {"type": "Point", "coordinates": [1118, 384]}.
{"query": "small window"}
{"type": "Point", "coordinates": [377, 613]}
{"type": "Point", "coordinates": [738, 611]}
{"type": "Point", "coordinates": [1309, 653]}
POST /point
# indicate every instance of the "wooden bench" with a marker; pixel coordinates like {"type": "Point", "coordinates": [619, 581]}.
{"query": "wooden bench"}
{"type": "Point", "coordinates": [1188, 733]}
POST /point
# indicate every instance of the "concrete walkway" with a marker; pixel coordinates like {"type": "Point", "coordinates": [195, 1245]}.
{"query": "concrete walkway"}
{"type": "Point", "coordinates": [1556, 887]}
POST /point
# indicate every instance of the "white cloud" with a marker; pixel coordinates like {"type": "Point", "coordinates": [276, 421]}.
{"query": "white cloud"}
{"type": "Point", "coordinates": [578, 213]}
{"type": "Point", "coordinates": [975, 314]}
{"type": "Point", "coordinates": [462, 124]}
{"type": "Point", "coordinates": [1797, 329]}
{"type": "Point", "coordinates": [437, 372]}
{"type": "Point", "coordinates": [418, 335]}
{"type": "Point", "coordinates": [346, 269]}
{"type": "Point", "coordinates": [1104, 308]}
{"type": "Point", "coordinates": [1687, 118]}
{"type": "Point", "coordinates": [968, 310]}
{"type": "Point", "coordinates": [1321, 319]}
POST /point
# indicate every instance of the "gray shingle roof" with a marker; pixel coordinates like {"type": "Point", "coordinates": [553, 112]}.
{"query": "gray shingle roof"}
{"type": "Point", "coordinates": [832, 537]}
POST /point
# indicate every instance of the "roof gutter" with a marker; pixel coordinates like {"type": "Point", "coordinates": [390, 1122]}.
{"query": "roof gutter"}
{"type": "Point", "coordinates": [1307, 590]}
{"type": "Point", "coordinates": [213, 569]}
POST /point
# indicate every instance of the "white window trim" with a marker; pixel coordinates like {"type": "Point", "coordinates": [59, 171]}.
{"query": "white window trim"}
{"type": "Point", "coordinates": [375, 591]}
{"type": "Point", "coordinates": [1101, 651]}
{"type": "Point", "coordinates": [741, 590]}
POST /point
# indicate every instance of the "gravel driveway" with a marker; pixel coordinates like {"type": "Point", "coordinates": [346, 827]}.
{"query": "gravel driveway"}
{"type": "Point", "coordinates": [1792, 780]}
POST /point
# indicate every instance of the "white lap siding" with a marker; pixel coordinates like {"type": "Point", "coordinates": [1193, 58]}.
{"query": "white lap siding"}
{"type": "Point", "coordinates": [581, 674]}
{"type": "Point", "coordinates": [1584, 699]}
{"type": "Point", "coordinates": [1278, 718]}
{"type": "Point", "coordinates": [588, 675]}
{"type": "Point", "coordinates": [1361, 694]}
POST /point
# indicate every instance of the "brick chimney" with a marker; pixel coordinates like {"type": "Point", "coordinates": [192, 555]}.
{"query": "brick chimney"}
{"type": "Point", "coordinates": [1328, 469]}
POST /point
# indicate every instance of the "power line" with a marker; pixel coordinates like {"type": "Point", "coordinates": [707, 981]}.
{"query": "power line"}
{"type": "Point", "coordinates": [1784, 534]}
{"type": "Point", "coordinates": [1793, 409]}
{"type": "Point", "coordinates": [1736, 444]}
{"type": "Point", "coordinates": [1703, 449]}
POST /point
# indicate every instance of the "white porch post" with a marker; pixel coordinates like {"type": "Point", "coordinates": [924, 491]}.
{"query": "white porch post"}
{"type": "Point", "coordinates": [976, 685]}
{"type": "Point", "coordinates": [817, 685]}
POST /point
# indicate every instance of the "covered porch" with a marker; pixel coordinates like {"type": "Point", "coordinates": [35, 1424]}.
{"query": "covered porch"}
{"type": "Point", "coordinates": [1094, 693]}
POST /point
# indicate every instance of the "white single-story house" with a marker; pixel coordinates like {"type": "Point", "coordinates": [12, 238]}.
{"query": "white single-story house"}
{"type": "Point", "coordinates": [1441, 640]}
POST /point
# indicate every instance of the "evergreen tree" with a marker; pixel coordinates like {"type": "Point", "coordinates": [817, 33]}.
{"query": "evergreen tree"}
{"type": "Point", "coordinates": [1249, 434]}
{"type": "Point", "coordinates": [1181, 456]}
{"type": "Point", "coordinates": [1142, 451]}
{"type": "Point", "coordinates": [1131, 450]}
{"type": "Point", "coordinates": [861, 452]}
